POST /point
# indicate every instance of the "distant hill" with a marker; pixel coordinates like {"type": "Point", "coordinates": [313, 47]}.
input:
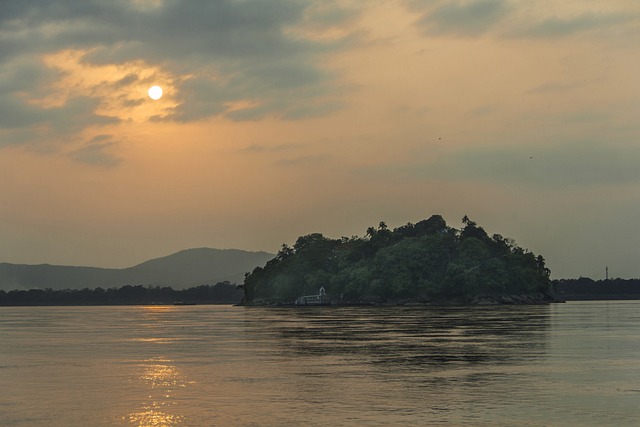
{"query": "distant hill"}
{"type": "Point", "coordinates": [184, 269]}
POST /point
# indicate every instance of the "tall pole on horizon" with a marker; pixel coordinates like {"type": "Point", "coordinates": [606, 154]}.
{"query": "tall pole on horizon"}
{"type": "Point", "coordinates": [606, 273]}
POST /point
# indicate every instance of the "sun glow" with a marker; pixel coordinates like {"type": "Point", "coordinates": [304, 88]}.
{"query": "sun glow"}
{"type": "Point", "coordinates": [120, 91]}
{"type": "Point", "coordinates": [155, 92]}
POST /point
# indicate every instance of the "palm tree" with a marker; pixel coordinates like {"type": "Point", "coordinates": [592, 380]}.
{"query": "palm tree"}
{"type": "Point", "coordinates": [371, 232]}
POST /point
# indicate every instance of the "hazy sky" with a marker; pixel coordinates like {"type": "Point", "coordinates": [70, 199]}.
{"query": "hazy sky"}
{"type": "Point", "coordinates": [285, 117]}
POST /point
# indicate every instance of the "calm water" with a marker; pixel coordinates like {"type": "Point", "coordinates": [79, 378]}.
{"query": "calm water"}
{"type": "Point", "coordinates": [560, 365]}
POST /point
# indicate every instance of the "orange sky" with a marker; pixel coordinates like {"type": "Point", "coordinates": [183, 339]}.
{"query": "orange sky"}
{"type": "Point", "coordinates": [284, 118]}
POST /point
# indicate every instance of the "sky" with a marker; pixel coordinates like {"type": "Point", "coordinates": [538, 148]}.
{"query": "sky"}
{"type": "Point", "coordinates": [286, 117]}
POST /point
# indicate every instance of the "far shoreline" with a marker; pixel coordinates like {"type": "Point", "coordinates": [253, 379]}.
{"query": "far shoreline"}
{"type": "Point", "coordinates": [481, 300]}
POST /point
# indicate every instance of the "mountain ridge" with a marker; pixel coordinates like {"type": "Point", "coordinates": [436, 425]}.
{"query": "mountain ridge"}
{"type": "Point", "coordinates": [182, 269]}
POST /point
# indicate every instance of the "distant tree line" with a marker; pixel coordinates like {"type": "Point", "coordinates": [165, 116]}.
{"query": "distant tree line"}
{"type": "Point", "coordinates": [424, 261]}
{"type": "Point", "coordinates": [584, 288]}
{"type": "Point", "coordinates": [220, 293]}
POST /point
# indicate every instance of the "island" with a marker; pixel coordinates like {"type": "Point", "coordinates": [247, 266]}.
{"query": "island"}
{"type": "Point", "coordinates": [423, 263]}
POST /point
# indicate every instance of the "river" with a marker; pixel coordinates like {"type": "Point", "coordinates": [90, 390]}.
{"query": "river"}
{"type": "Point", "coordinates": [573, 364]}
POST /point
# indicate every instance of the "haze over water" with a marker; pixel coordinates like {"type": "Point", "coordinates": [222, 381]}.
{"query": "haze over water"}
{"type": "Point", "coordinates": [558, 365]}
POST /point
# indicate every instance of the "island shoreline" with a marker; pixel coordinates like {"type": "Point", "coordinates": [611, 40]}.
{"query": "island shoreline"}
{"type": "Point", "coordinates": [480, 300]}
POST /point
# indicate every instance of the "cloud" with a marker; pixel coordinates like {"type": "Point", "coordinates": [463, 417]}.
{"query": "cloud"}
{"type": "Point", "coordinates": [261, 148]}
{"type": "Point", "coordinates": [310, 160]}
{"type": "Point", "coordinates": [96, 152]}
{"type": "Point", "coordinates": [467, 18]}
{"type": "Point", "coordinates": [556, 86]}
{"type": "Point", "coordinates": [555, 27]}
{"type": "Point", "coordinates": [199, 97]}
{"type": "Point", "coordinates": [580, 163]}
{"type": "Point", "coordinates": [304, 110]}
{"type": "Point", "coordinates": [215, 53]}
{"type": "Point", "coordinates": [329, 14]}
{"type": "Point", "coordinates": [290, 91]}
{"type": "Point", "coordinates": [127, 80]}
{"type": "Point", "coordinates": [519, 18]}
{"type": "Point", "coordinates": [23, 122]}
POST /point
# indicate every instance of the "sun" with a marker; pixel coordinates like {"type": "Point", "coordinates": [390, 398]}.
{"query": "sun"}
{"type": "Point", "coordinates": [155, 92]}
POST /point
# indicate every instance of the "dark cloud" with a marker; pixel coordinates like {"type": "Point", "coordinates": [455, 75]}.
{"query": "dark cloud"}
{"type": "Point", "coordinates": [101, 138]}
{"type": "Point", "coordinates": [127, 80]}
{"type": "Point", "coordinates": [464, 17]}
{"type": "Point", "coordinates": [24, 122]}
{"type": "Point", "coordinates": [250, 113]}
{"type": "Point", "coordinates": [329, 14]}
{"type": "Point", "coordinates": [219, 52]}
{"type": "Point", "coordinates": [183, 34]}
{"type": "Point", "coordinates": [581, 163]}
{"type": "Point", "coordinates": [510, 19]}
{"type": "Point", "coordinates": [283, 76]}
{"type": "Point", "coordinates": [559, 27]}
{"type": "Point", "coordinates": [96, 152]}
{"type": "Point", "coordinates": [21, 78]}
{"type": "Point", "coordinates": [200, 97]}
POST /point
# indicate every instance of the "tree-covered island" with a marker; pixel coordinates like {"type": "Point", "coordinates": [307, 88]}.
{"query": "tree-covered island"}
{"type": "Point", "coordinates": [427, 262]}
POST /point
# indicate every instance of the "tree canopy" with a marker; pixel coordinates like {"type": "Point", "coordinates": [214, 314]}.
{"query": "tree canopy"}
{"type": "Point", "coordinates": [425, 261]}
{"type": "Point", "coordinates": [220, 293]}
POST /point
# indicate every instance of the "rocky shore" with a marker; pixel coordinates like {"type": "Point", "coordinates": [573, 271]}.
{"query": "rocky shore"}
{"type": "Point", "coordinates": [526, 299]}
{"type": "Point", "coordinates": [520, 299]}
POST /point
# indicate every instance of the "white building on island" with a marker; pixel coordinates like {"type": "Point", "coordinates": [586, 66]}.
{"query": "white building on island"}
{"type": "Point", "coordinates": [319, 299]}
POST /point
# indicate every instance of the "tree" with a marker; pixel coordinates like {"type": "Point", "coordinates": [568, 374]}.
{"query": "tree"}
{"type": "Point", "coordinates": [371, 232]}
{"type": "Point", "coordinates": [428, 260]}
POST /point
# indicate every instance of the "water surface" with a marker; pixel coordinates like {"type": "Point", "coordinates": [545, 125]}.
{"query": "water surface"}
{"type": "Point", "coordinates": [573, 364]}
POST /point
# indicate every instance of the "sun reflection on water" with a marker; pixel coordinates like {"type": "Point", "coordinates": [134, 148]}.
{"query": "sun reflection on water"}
{"type": "Point", "coordinates": [155, 418]}
{"type": "Point", "coordinates": [163, 380]}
